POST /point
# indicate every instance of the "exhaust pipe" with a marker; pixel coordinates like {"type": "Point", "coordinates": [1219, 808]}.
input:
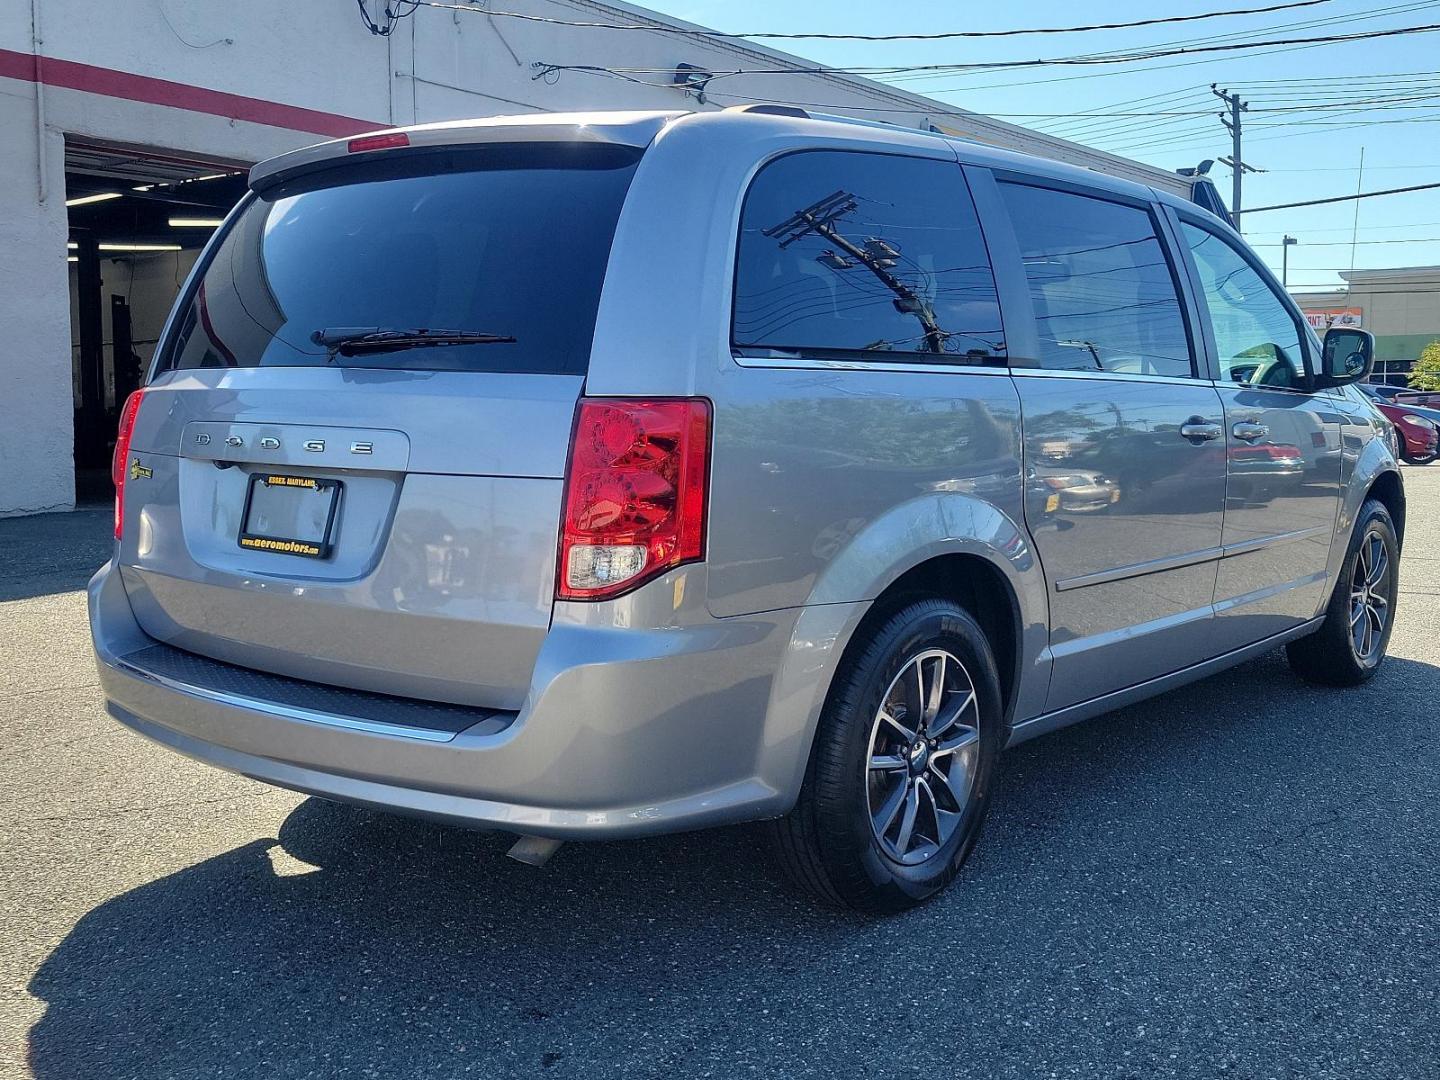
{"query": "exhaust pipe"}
{"type": "Point", "coordinates": [534, 850]}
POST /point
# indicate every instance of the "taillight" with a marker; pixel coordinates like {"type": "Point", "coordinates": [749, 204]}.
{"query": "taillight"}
{"type": "Point", "coordinates": [118, 464]}
{"type": "Point", "coordinates": [386, 141]}
{"type": "Point", "coordinates": [634, 494]}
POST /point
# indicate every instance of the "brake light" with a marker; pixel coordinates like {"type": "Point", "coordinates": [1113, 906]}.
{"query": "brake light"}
{"type": "Point", "coordinates": [634, 494]}
{"type": "Point", "coordinates": [118, 464]}
{"type": "Point", "coordinates": [385, 141]}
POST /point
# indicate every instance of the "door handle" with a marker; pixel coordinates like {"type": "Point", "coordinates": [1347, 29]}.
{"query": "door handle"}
{"type": "Point", "coordinates": [1197, 429]}
{"type": "Point", "coordinates": [1249, 432]}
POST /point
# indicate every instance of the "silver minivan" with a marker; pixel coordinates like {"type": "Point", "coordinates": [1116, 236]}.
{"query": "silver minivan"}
{"type": "Point", "coordinates": [605, 475]}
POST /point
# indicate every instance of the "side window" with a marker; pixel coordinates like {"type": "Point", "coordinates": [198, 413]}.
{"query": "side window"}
{"type": "Point", "coordinates": [865, 253]}
{"type": "Point", "coordinates": [1256, 336]}
{"type": "Point", "coordinates": [1103, 290]}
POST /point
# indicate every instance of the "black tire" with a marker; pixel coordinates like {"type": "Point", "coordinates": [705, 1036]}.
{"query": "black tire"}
{"type": "Point", "coordinates": [1417, 459]}
{"type": "Point", "coordinates": [1332, 656]}
{"type": "Point", "coordinates": [827, 844]}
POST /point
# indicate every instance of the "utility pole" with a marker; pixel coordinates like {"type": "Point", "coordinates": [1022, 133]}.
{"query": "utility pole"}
{"type": "Point", "coordinates": [1231, 119]}
{"type": "Point", "coordinates": [1285, 245]}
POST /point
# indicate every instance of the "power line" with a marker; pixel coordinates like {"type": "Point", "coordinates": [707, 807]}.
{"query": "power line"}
{"type": "Point", "coordinates": [1176, 144]}
{"type": "Point", "coordinates": [1097, 128]}
{"type": "Point", "coordinates": [1190, 97]}
{"type": "Point", "coordinates": [1212, 40]}
{"type": "Point", "coordinates": [947, 35]}
{"type": "Point", "coordinates": [1185, 141]}
{"type": "Point", "coordinates": [971, 87]}
{"type": "Point", "coordinates": [1347, 243]}
{"type": "Point", "coordinates": [1337, 108]}
{"type": "Point", "coordinates": [1327, 80]}
{"type": "Point", "coordinates": [1173, 99]}
{"type": "Point", "coordinates": [1341, 198]}
{"type": "Point", "coordinates": [1103, 124]}
{"type": "Point", "coordinates": [1342, 19]}
{"type": "Point", "coordinates": [1058, 61]}
{"type": "Point", "coordinates": [402, 9]}
{"type": "Point", "coordinates": [1363, 228]}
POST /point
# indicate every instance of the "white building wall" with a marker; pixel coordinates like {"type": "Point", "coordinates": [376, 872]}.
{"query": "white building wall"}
{"type": "Point", "coordinates": [316, 55]}
{"type": "Point", "coordinates": [36, 471]}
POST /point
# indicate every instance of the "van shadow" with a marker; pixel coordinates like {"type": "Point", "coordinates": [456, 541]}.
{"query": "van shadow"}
{"type": "Point", "coordinates": [359, 941]}
{"type": "Point", "coordinates": [46, 554]}
{"type": "Point", "coordinates": [360, 944]}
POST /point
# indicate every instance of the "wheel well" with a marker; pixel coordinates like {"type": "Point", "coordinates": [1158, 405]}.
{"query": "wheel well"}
{"type": "Point", "coordinates": [1387, 489]}
{"type": "Point", "coordinates": [975, 585]}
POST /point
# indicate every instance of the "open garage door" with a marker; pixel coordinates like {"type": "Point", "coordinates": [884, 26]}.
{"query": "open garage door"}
{"type": "Point", "coordinates": [138, 218]}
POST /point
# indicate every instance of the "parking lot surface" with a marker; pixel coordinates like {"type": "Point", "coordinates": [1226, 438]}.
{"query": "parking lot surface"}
{"type": "Point", "coordinates": [1237, 879]}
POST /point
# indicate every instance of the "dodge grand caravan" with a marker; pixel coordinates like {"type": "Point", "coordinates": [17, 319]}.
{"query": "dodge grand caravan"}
{"type": "Point", "coordinates": [607, 475]}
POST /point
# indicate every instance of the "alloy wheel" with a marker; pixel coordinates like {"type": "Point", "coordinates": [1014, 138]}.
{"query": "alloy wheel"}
{"type": "Point", "coordinates": [1369, 597]}
{"type": "Point", "coordinates": [923, 755]}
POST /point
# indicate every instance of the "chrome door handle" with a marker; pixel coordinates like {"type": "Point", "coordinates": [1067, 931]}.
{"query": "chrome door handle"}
{"type": "Point", "coordinates": [1197, 429]}
{"type": "Point", "coordinates": [1245, 431]}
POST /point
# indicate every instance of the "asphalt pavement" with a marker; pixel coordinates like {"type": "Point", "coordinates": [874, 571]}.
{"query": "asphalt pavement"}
{"type": "Point", "coordinates": [1237, 879]}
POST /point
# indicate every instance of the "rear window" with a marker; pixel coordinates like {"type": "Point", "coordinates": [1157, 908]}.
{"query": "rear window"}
{"type": "Point", "coordinates": [509, 241]}
{"type": "Point", "coordinates": [865, 255]}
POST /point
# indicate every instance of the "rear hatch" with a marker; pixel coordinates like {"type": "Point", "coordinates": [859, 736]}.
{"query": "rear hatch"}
{"type": "Point", "coordinates": [351, 454]}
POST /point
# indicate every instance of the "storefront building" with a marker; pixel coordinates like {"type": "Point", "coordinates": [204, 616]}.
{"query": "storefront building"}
{"type": "Point", "coordinates": [1401, 307]}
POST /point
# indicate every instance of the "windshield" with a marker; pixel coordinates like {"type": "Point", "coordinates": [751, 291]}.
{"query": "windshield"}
{"type": "Point", "coordinates": [502, 247]}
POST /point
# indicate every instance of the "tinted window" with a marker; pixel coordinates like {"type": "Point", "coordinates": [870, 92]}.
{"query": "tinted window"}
{"type": "Point", "coordinates": [864, 253]}
{"type": "Point", "coordinates": [511, 241]}
{"type": "Point", "coordinates": [1102, 288]}
{"type": "Point", "coordinates": [1257, 338]}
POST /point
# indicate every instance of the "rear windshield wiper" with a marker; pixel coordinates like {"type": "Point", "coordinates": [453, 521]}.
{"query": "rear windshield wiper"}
{"type": "Point", "coordinates": [349, 340]}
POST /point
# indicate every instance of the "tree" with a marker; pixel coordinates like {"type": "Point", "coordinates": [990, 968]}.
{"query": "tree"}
{"type": "Point", "coordinates": [1426, 373]}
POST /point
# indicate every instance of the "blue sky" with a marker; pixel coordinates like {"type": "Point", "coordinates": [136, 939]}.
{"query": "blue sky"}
{"type": "Point", "coordinates": [1308, 152]}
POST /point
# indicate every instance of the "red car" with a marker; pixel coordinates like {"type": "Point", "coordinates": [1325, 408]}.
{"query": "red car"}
{"type": "Point", "coordinates": [1419, 437]}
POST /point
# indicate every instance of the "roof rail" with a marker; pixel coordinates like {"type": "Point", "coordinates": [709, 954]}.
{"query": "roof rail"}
{"type": "Point", "coordinates": [770, 109]}
{"type": "Point", "coordinates": [775, 109]}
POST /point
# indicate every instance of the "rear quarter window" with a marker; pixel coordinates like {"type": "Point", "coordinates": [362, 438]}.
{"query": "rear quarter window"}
{"type": "Point", "coordinates": [865, 255]}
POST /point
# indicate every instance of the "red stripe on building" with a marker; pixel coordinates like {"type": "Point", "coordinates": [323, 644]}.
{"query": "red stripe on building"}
{"type": "Point", "coordinates": [108, 82]}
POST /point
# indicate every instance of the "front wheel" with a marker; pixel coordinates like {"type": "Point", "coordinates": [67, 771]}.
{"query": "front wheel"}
{"type": "Point", "coordinates": [1418, 459]}
{"type": "Point", "coordinates": [903, 765]}
{"type": "Point", "coordinates": [1350, 645]}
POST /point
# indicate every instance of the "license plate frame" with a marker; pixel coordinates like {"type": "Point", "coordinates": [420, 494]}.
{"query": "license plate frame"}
{"type": "Point", "coordinates": [253, 539]}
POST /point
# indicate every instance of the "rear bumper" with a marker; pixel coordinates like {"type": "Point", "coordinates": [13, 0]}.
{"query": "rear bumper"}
{"type": "Point", "coordinates": [623, 733]}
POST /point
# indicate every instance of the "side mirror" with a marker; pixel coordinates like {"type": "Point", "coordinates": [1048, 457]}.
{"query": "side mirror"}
{"type": "Point", "coordinates": [1347, 357]}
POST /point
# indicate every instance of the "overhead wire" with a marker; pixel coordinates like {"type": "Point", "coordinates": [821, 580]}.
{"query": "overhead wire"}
{"type": "Point", "coordinates": [1325, 128]}
{"type": "Point", "coordinates": [1347, 228]}
{"type": "Point", "coordinates": [1347, 243]}
{"type": "Point", "coordinates": [1341, 198]}
{"type": "Point", "coordinates": [1056, 61]}
{"type": "Point", "coordinates": [1174, 98]}
{"type": "Point", "coordinates": [1145, 69]}
{"type": "Point", "coordinates": [1091, 128]}
{"type": "Point", "coordinates": [1239, 36]}
{"type": "Point", "coordinates": [943, 35]}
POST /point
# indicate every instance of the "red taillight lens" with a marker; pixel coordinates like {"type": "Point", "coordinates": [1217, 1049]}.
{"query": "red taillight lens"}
{"type": "Point", "coordinates": [385, 141]}
{"type": "Point", "coordinates": [634, 494]}
{"type": "Point", "coordinates": [120, 461]}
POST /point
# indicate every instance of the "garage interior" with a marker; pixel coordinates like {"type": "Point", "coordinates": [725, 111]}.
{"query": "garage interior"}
{"type": "Point", "coordinates": [138, 218]}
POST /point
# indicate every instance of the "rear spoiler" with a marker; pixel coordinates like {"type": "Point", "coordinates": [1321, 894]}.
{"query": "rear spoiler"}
{"type": "Point", "coordinates": [635, 130]}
